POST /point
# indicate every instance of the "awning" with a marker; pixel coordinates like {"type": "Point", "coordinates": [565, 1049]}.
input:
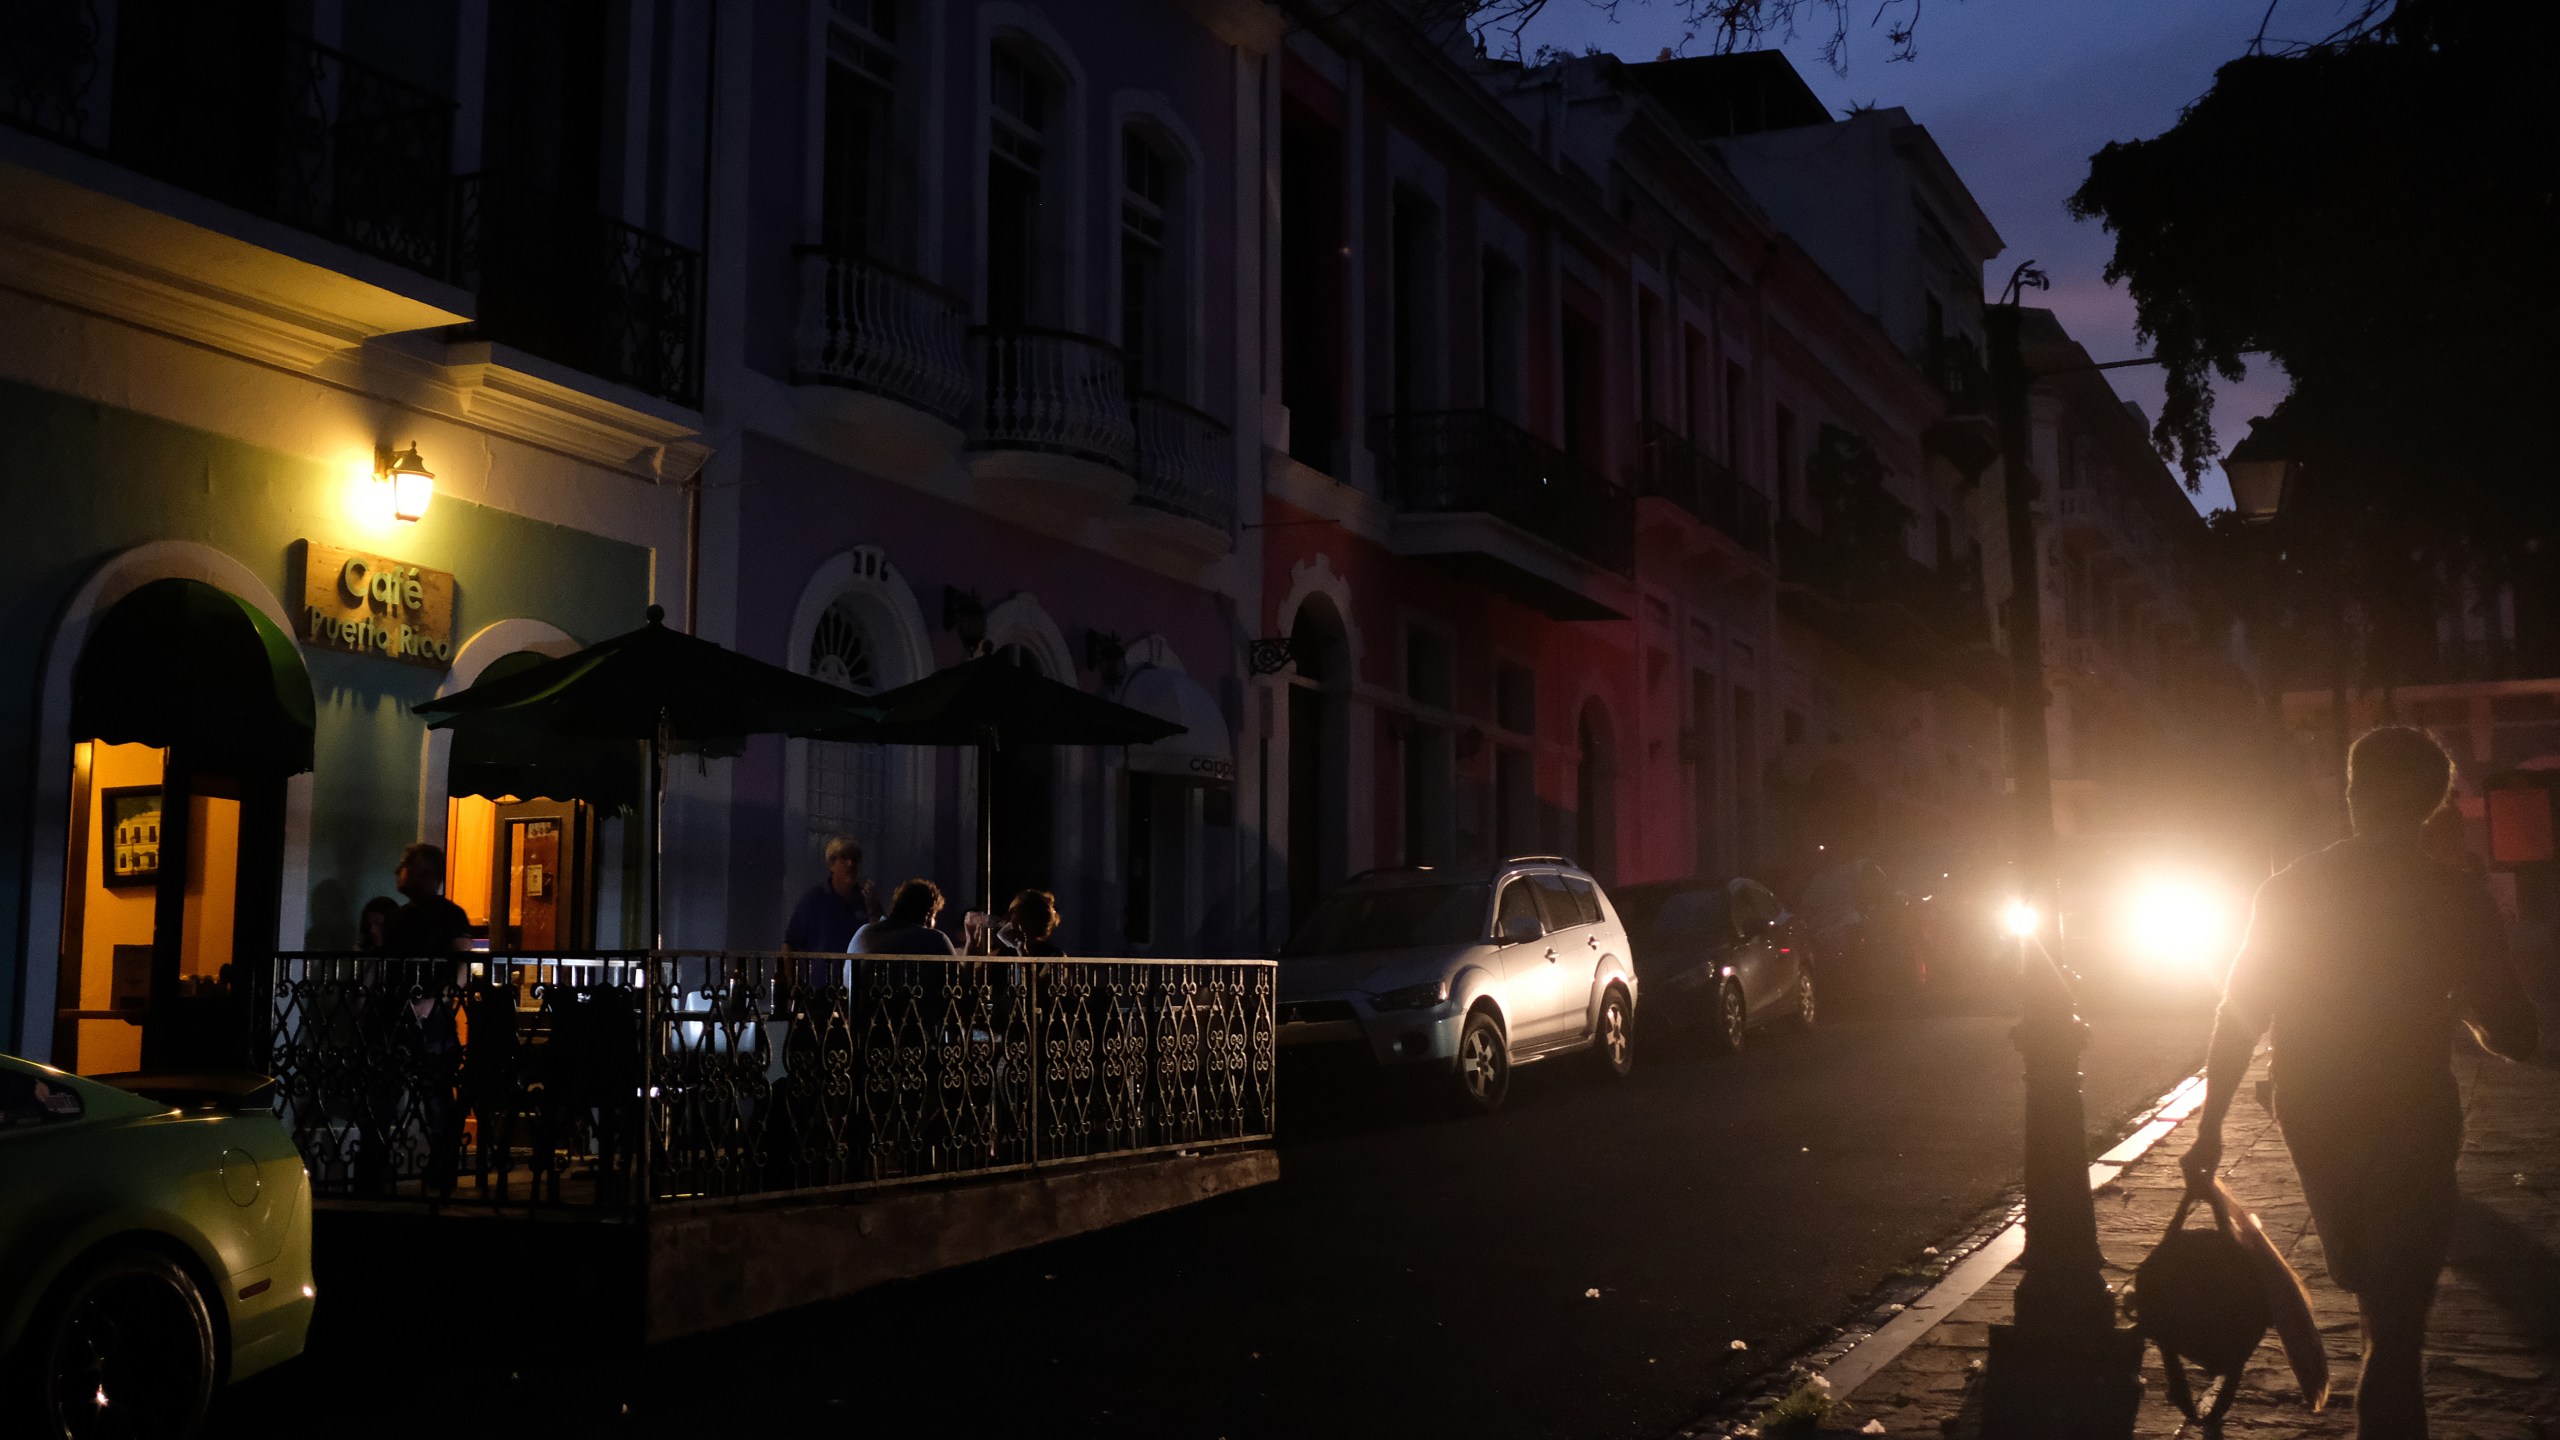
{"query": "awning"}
{"type": "Point", "coordinates": [182, 665]}
{"type": "Point", "coordinates": [1201, 754]}
{"type": "Point", "coordinates": [528, 763]}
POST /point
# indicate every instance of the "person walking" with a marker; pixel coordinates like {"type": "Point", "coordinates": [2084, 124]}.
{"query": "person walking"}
{"type": "Point", "coordinates": [2361, 956]}
{"type": "Point", "coordinates": [827, 916]}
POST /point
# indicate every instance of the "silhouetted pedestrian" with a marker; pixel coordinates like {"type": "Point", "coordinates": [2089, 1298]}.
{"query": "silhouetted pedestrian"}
{"type": "Point", "coordinates": [2361, 956]}
{"type": "Point", "coordinates": [908, 927]}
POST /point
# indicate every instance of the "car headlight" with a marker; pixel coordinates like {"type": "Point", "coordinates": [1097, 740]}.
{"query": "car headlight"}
{"type": "Point", "coordinates": [1412, 997]}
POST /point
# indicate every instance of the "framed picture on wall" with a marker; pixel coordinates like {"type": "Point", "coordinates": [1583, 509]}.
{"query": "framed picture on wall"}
{"type": "Point", "coordinates": [129, 834]}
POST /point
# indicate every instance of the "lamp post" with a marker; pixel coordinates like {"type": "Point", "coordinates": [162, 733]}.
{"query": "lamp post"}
{"type": "Point", "coordinates": [2063, 1367]}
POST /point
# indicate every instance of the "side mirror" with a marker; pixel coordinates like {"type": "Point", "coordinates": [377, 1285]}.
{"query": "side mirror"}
{"type": "Point", "coordinates": [1519, 930]}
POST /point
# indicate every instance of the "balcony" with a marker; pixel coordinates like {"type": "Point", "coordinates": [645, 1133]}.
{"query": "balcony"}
{"type": "Point", "coordinates": [1968, 435]}
{"type": "Point", "coordinates": [1186, 471]}
{"type": "Point", "coordinates": [294, 132]}
{"type": "Point", "coordinates": [1052, 431]}
{"type": "Point", "coordinates": [558, 280]}
{"type": "Point", "coordinates": [1485, 497]}
{"type": "Point", "coordinates": [1678, 471]}
{"type": "Point", "coordinates": [1928, 624]}
{"type": "Point", "coordinates": [883, 356]}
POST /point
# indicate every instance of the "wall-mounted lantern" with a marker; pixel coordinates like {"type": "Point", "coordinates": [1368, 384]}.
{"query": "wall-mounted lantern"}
{"type": "Point", "coordinates": [412, 484]}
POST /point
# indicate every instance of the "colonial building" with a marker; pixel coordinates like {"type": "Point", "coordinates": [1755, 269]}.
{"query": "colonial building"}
{"type": "Point", "coordinates": [331, 387]}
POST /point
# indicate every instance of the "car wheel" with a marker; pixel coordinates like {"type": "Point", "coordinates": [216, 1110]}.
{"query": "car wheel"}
{"type": "Point", "coordinates": [1731, 1019]}
{"type": "Point", "coordinates": [126, 1349]}
{"type": "Point", "coordinates": [1805, 1006]}
{"type": "Point", "coordinates": [1614, 1038]}
{"type": "Point", "coordinates": [1484, 1064]}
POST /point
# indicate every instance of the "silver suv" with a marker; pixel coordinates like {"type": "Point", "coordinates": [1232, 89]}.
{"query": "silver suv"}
{"type": "Point", "coordinates": [1468, 972]}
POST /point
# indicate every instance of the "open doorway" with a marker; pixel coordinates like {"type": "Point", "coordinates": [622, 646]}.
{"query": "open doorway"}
{"type": "Point", "coordinates": [191, 708]}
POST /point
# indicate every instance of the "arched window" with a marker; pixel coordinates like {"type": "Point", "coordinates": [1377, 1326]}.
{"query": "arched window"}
{"type": "Point", "coordinates": [1154, 319]}
{"type": "Point", "coordinates": [1027, 121]}
{"type": "Point", "coordinates": [848, 783]}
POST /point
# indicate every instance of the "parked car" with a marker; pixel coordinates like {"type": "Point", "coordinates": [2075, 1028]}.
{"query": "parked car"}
{"type": "Point", "coordinates": [155, 1246]}
{"type": "Point", "coordinates": [1861, 931]}
{"type": "Point", "coordinates": [1720, 958]}
{"type": "Point", "coordinates": [1464, 972]}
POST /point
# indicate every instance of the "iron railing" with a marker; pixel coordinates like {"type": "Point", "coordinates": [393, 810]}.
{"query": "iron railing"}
{"type": "Point", "coordinates": [1955, 367]}
{"type": "Point", "coordinates": [1186, 462]}
{"type": "Point", "coordinates": [650, 1078]}
{"type": "Point", "coordinates": [1474, 460]}
{"type": "Point", "coordinates": [1052, 390]}
{"type": "Point", "coordinates": [559, 280]}
{"type": "Point", "coordinates": [871, 326]}
{"type": "Point", "coordinates": [1947, 601]}
{"type": "Point", "coordinates": [1697, 482]}
{"type": "Point", "coordinates": [269, 122]}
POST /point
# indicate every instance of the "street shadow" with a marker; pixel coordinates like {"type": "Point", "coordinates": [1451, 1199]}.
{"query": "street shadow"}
{"type": "Point", "coordinates": [2514, 1268]}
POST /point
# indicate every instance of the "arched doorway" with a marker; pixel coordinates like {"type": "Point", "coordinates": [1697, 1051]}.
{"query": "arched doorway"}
{"type": "Point", "coordinates": [1319, 745]}
{"type": "Point", "coordinates": [189, 710]}
{"type": "Point", "coordinates": [1595, 808]}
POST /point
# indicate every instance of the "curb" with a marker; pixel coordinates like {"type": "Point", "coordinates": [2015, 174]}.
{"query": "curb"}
{"type": "Point", "coordinates": [1876, 1338]}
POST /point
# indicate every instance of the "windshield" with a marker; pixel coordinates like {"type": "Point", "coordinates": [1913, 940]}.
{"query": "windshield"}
{"type": "Point", "coordinates": [1350, 921]}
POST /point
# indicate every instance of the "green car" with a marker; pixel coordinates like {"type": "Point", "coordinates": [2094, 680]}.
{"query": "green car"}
{"type": "Point", "coordinates": [155, 1245]}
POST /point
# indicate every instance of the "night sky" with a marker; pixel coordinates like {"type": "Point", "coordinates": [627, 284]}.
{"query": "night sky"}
{"type": "Point", "coordinates": [2019, 93]}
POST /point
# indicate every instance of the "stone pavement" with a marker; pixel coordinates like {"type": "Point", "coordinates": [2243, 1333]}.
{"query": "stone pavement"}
{"type": "Point", "coordinates": [2493, 1363]}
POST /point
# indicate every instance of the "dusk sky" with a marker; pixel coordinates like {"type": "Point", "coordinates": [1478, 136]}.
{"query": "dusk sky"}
{"type": "Point", "coordinates": [2019, 93]}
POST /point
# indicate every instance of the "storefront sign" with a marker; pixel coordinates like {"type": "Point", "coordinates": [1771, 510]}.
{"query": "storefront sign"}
{"type": "Point", "coordinates": [375, 605]}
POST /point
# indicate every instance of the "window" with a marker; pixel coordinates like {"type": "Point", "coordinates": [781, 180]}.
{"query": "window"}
{"type": "Point", "coordinates": [1518, 917]}
{"type": "Point", "coordinates": [1746, 775]}
{"type": "Point", "coordinates": [1152, 330]}
{"type": "Point", "coordinates": [1311, 260]}
{"type": "Point", "coordinates": [1502, 339]}
{"type": "Point", "coordinates": [1426, 668]}
{"type": "Point", "coordinates": [1699, 372]}
{"type": "Point", "coordinates": [1702, 767]}
{"type": "Point", "coordinates": [1648, 336]}
{"type": "Point", "coordinates": [1734, 385]}
{"type": "Point", "coordinates": [1020, 97]}
{"type": "Point", "coordinates": [860, 141]}
{"type": "Point", "coordinates": [1515, 698]}
{"type": "Point", "coordinates": [848, 783]}
{"type": "Point", "coordinates": [1557, 903]}
{"type": "Point", "coordinates": [1583, 439]}
{"type": "Point", "coordinates": [1784, 442]}
{"type": "Point", "coordinates": [1416, 280]}
{"type": "Point", "coordinates": [1586, 898]}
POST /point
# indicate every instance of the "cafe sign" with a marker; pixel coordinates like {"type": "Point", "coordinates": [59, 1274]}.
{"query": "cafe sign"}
{"type": "Point", "coordinates": [375, 605]}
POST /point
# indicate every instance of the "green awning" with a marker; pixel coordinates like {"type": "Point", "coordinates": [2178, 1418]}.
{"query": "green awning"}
{"type": "Point", "coordinates": [183, 665]}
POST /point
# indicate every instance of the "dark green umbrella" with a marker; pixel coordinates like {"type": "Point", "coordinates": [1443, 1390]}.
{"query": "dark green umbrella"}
{"type": "Point", "coordinates": [671, 690]}
{"type": "Point", "coordinates": [990, 703]}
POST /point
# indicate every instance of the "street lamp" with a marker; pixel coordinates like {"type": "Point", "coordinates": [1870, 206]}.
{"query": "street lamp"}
{"type": "Point", "coordinates": [2257, 469]}
{"type": "Point", "coordinates": [2063, 1366]}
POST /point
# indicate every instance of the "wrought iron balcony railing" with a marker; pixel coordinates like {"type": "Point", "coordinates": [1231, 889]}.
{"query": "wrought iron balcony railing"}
{"type": "Point", "coordinates": [1474, 460]}
{"type": "Point", "coordinates": [581, 289]}
{"type": "Point", "coordinates": [648, 1078]}
{"type": "Point", "coordinates": [1054, 391]}
{"type": "Point", "coordinates": [874, 327]}
{"type": "Point", "coordinates": [1186, 463]}
{"type": "Point", "coordinates": [1947, 602]}
{"type": "Point", "coordinates": [271, 123]}
{"type": "Point", "coordinates": [1680, 472]}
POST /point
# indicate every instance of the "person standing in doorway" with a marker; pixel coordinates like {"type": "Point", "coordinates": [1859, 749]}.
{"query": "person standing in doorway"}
{"type": "Point", "coordinates": [827, 916]}
{"type": "Point", "coordinates": [2361, 956]}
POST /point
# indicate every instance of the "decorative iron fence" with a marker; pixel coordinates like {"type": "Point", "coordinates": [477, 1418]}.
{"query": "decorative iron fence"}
{"type": "Point", "coordinates": [1456, 460]}
{"type": "Point", "coordinates": [650, 1078]}
{"type": "Point", "coordinates": [1680, 472]}
{"type": "Point", "coordinates": [1186, 462]}
{"type": "Point", "coordinates": [561, 281]}
{"type": "Point", "coordinates": [293, 131]}
{"type": "Point", "coordinates": [874, 327]}
{"type": "Point", "coordinates": [1052, 390]}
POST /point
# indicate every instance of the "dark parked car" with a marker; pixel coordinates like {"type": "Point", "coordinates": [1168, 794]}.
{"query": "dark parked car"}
{"type": "Point", "coordinates": [1717, 957]}
{"type": "Point", "coordinates": [1862, 929]}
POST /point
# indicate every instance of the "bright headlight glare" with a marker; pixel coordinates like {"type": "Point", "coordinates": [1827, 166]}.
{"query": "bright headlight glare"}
{"type": "Point", "coordinates": [2020, 919]}
{"type": "Point", "coordinates": [2176, 919]}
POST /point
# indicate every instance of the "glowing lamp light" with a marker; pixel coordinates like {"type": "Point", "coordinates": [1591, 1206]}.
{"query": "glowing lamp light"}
{"type": "Point", "coordinates": [2177, 921]}
{"type": "Point", "coordinates": [412, 484]}
{"type": "Point", "coordinates": [2020, 919]}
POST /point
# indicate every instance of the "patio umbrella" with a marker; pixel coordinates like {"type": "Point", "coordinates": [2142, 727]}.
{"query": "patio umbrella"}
{"type": "Point", "coordinates": [991, 703]}
{"type": "Point", "coordinates": [671, 690]}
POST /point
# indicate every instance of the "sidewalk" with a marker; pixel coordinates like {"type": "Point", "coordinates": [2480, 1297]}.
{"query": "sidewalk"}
{"type": "Point", "coordinates": [2493, 1363]}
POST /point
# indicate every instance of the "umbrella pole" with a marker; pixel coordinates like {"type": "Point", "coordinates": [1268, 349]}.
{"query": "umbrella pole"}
{"type": "Point", "coordinates": [986, 828]}
{"type": "Point", "coordinates": [658, 834]}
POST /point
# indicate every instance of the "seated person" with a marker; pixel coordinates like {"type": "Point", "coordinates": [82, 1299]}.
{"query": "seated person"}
{"type": "Point", "coordinates": [1030, 925]}
{"type": "Point", "coordinates": [908, 927]}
